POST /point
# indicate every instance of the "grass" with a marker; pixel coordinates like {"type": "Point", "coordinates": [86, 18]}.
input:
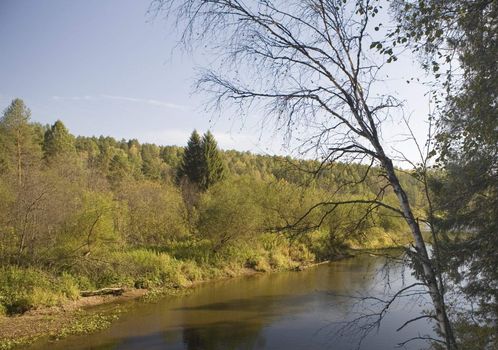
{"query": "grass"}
{"type": "Point", "coordinates": [181, 265]}
{"type": "Point", "coordinates": [23, 289]}
{"type": "Point", "coordinates": [177, 265]}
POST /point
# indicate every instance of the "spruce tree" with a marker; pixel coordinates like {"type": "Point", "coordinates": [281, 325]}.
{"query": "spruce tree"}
{"type": "Point", "coordinates": [192, 163]}
{"type": "Point", "coordinates": [213, 166]}
{"type": "Point", "coordinates": [202, 163]}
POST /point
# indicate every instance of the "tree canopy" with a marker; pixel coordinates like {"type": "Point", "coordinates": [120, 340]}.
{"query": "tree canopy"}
{"type": "Point", "coordinates": [58, 141]}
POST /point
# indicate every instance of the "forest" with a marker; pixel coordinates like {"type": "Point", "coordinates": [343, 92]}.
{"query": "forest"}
{"type": "Point", "coordinates": [82, 213]}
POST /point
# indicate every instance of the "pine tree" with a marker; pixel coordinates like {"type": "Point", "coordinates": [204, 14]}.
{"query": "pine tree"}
{"type": "Point", "coordinates": [58, 141]}
{"type": "Point", "coordinates": [213, 167]}
{"type": "Point", "coordinates": [193, 160]}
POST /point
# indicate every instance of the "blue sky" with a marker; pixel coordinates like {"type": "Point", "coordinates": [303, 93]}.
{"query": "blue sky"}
{"type": "Point", "coordinates": [105, 67]}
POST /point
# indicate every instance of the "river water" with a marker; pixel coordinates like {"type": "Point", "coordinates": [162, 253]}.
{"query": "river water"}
{"type": "Point", "coordinates": [286, 310]}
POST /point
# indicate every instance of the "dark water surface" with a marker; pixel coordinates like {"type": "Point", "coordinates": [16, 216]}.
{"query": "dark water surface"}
{"type": "Point", "coordinates": [287, 310]}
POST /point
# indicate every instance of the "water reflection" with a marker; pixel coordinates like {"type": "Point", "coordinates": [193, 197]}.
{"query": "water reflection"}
{"type": "Point", "coordinates": [289, 310]}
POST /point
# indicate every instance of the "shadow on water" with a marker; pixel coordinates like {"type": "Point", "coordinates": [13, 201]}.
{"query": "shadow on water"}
{"type": "Point", "coordinates": [288, 310]}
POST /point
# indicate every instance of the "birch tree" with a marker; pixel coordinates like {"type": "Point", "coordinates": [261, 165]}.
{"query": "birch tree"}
{"type": "Point", "coordinates": [310, 66]}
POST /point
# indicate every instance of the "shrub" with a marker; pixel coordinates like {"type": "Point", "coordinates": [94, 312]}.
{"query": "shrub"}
{"type": "Point", "coordinates": [69, 286]}
{"type": "Point", "coordinates": [23, 289]}
{"type": "Point", "coordinates": [192, 271]}
{"type": "Point", "coordinates": [278, 260]}
{"type": "Point", "coordinates": [299, 252]}
{"type": "Point", "coordinates": [259, 263]}
{"type": "Point", "coordinates": [148, 268]}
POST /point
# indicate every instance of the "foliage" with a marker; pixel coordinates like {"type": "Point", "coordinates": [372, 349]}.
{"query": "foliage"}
{"type": "Point", "coordinates": [229, 211]}
{"type": "Point", "coordinates": [459, 44]}
{"type": "Point", "coordinates": [57, 141]}
{"type": "Point", "coordinates": [19, 149]}
{"type": "Point", "coordinates": [192, 161]}
{"type": "Point", "coordinates": [155, 213]}
{"type": "Point", "coordinates": [202, 163]}
{"type": "Point", "coordinates": [95, 212]}
{"type": "Point", "coordinates": [213, 166]}
{"type": "Point", "coordinates": [22, 289]}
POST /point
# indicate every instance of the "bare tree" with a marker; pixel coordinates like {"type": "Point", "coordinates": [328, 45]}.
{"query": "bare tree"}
{"type": "Point", "coordinates": [308, 63]}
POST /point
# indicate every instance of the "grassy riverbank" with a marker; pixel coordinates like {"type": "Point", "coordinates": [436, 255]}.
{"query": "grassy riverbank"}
{"type": "Point", "coordinates": [57, 311]}
{"type": "Point", "coordinates": [52, 308]}
{"type": "Point", "coordinates": [37, 304]}
{"type": "Point", "coordinates": [177, 265]}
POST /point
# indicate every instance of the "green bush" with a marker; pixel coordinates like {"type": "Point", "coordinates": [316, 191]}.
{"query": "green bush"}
{"type": "Point", "coordinates": [68, 285]}
{"type": "Point", "coordinates": [279, 260]}
{"type": "Point", "coordinates": [23, 289]}
{"type": "Point", "coordinates": [149, 268]}
{"type": "Point", "coordinates": [192, 271]}
{"type": "Point", "coordinates": [299, 252]}
{"type": "Point", "coordinates": [200, 251]}
{"type": "Point", "coordinates": [259, 263]}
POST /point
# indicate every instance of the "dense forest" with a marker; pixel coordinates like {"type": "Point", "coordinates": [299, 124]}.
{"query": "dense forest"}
{"type": "Point", "coordinates": [80, 213]}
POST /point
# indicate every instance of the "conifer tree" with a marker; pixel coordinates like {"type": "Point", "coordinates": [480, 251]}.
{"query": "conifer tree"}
{"type": "Point", "coordinates": [192, 162]}
{"type": "Point", "coordinates": [213, 167]}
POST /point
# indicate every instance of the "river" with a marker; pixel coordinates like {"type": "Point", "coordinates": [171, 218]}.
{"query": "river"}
{"type": "Point", "coordinates": [285, 310]}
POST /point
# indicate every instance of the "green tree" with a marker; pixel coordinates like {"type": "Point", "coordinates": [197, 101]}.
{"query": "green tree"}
{"type": "Point", "coordinates": [172, 155]}
{"type": "Point", "coordinates": [230, 211]}
{"type": "Point", "coordinates": [135, 158]}
{"type": "Point", "coordinates": [58, 142]}
{"type": "Point", "coordinates": [192, 163]}
{"type": "Point", "coordinates": [155, 213]}
{"type": "Point", "coordinates": [213, 169]}
{"type": "Point", "coordinates": [119, 167]}
{"type": "Point", "coordinates": [88, 150]}
{"type": "Point", "coordinates": [466, 191]}
{"type": "Point", "coordinates": [151, 162]}
{"type": "Point", "coordinates": [467, 141]}
{"type": "Point", "coordinates": [18, 150]}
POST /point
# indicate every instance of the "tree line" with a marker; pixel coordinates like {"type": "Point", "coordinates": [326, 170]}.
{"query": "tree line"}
{"type": "Point", "coordinates": [88, 212]}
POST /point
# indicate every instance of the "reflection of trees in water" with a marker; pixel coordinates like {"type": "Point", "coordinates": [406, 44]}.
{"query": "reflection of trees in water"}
{"type": "Point", "coordinates": [283, 294]}
{"type": "Point", "coordinates": [224, 335]}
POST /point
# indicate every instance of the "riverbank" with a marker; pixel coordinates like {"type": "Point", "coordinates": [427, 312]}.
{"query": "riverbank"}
{"type": "Point", "coordinates": [284, 310]}
{"type": "Point", "coordinates": [73, 317]}
{"type": "Point", "coordinates": [87, 314]}
{"type": "Point", "coordinates": [91, 314]}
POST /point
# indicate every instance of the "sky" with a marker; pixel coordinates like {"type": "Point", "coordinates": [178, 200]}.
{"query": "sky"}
{"type": "Point", "coordinates": [107, 67]}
